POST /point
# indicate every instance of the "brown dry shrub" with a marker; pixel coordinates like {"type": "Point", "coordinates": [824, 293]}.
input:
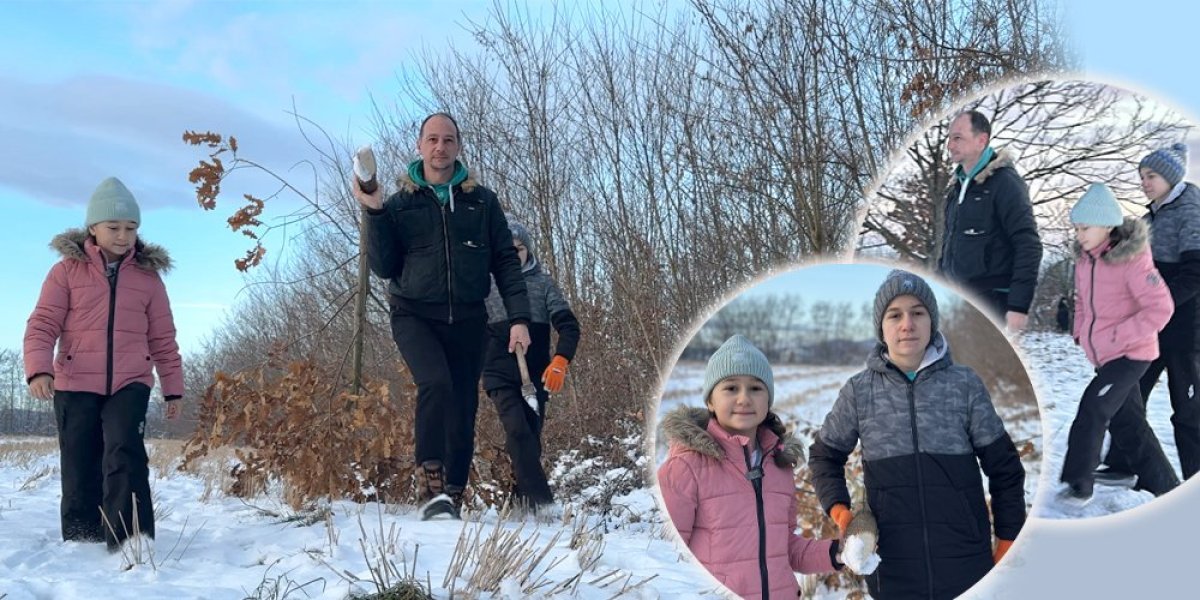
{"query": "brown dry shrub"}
{"type": "Point", "coordinates": [297, 425]}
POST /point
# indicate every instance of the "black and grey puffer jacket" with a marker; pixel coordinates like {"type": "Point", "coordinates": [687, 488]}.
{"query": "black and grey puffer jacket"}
{"type": "Point", "coordinates": [548, 307]}
{"type": "Point", "coordinates": [1175, 244]}
{"type": "Point", "coordinates": [923, 444]}
{"type": "Point", "coordinates": [439, 258]}
{"type": "Point", "coordinates": [991, 240]}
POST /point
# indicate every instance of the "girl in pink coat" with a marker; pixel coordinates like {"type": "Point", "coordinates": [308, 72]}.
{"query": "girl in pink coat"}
{"type": "Point", "coordinates": [728, 481]}
{"type": "Point", "coordinates": [105, 307]}
{"type": "Point", "coordinates": [1121, 304]}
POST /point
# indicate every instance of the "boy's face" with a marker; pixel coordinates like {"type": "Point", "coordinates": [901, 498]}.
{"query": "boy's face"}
{"type": "Point", "coordinates": [522, 251]}
{"type": "Point", "coordinates": [740, 404]}
{"type": "Point", "coordinates": [1153, 184]}
{"type": "Point", "coordinates": [114, 237]}
{"type": "Point", "coordinates": [1091, 236]}
{"type": "Point", "coordinates": [907, 328]}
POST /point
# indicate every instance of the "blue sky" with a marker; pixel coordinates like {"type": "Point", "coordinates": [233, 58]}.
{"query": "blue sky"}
{"type": "Point", "coordinates": [94, 89]}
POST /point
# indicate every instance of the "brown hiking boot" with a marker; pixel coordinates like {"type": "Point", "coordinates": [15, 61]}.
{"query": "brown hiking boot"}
{"type": "Point", "coordinates": [433, 480]}
{"type": "Point", "coordinates": [434, 500]}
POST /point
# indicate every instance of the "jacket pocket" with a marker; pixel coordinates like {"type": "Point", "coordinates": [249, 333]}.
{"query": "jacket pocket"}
{"type": "Point", "coordinates": [64, 363]}
{"type": "Point", "coordinates": [472, 264]}
{"type": "Point", "coordinates": [419, 226]}
{"type": "Point", "coordinates": [424, 275]}
{"type": "Point", "coordinates": [469, 223]}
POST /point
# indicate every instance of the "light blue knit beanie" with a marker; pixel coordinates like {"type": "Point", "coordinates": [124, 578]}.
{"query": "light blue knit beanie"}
{"type": "Point", "coordinates": [1098, 207]}
{"type": "Point", "coordinates": [112, 201]}
{"type": "Point", "coordinates": [737, 356]}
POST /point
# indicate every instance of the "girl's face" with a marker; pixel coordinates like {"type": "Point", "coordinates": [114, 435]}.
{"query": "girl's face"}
{"type": "Point", "coordinates": [740, 404]}
{"type": "Point", "coordinates": [1153, 184]}
{"type": "Point", "coordinates": [522, 252]}
{"type": "Point", "coordinates": [115, 238]}
{"type": "Point", "coordinates": [1091, 236]}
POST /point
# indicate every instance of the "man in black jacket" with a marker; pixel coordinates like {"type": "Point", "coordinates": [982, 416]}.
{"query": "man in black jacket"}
{"type": "Point", "coordinates": [438, 239]}
{"type": "Point", "coordinates": [990, 244]}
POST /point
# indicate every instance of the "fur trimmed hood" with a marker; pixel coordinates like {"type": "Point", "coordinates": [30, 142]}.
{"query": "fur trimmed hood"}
{"type": "Point", "coordinates": [1134, 237]}
{"type": "Point", "coordinates": [688, 427]}
{"type": "Point", "coordinates": [1002, 159]}
{"type": "Point", "coordinates": [151, 257]}
{"type": "Point", "coordinates": [405, 183]}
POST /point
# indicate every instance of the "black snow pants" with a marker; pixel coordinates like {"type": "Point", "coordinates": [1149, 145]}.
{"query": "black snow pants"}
{"type": "Point", "coordinates": [445, 360]}
{"type": "Point", "coordinates": [1113, 400]}
{"type": "Point", "coordinates": [523, 440]}
{"type": "Point", "coordinates": [105, 472]}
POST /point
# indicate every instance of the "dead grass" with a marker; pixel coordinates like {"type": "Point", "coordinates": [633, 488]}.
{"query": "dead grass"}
{"type": "Point", "coordinates": [22, 452]}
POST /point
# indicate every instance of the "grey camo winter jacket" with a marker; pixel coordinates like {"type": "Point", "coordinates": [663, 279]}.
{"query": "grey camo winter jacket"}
{"type": "Point", "coordinates": [548, 307]}
{"type": "Point", "coordinates": [1175, 244]}
{"type": "Point", "coordinates": [923, 443]}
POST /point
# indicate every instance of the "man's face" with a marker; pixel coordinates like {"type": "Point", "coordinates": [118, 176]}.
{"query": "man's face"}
{"type": "Point", "coordinates": [964, 145]}
{"type": "Point", "coordinates": [439, 143]}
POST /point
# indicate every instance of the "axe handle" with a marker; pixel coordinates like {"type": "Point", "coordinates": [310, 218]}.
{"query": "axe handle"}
{"type": "Point", "coordinates": [521, 365]}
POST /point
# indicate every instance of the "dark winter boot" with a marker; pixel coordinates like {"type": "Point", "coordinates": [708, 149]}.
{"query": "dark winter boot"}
{"type": "Point", "coordinates": [434, 499]}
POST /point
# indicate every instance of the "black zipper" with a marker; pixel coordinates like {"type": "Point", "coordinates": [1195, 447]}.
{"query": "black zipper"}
{"type": "Point", "coordinates": [755, 475]}
{"type": "Point", "coordinates": [112, 317]}
{"type": "Point", "coordinates": [1092, 304]}
{"type": "Point", "coordinates": [449, 265]}
{"type": "Point", "coordinates": [912, 413]}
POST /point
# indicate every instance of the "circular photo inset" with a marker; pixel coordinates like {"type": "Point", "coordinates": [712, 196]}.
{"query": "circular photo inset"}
{"type": "Point", "coordinates": [843, 428]}
{"type": "Point", "coordinates": [1064, 207]}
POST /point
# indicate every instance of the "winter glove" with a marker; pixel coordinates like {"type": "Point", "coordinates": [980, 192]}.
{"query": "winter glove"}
{"type": "Point", "coordinates": [1002, 547]}
{"type": "Point", "coordinates": [842, 516]}
{"type": "Point", "coordinates": [554, 374]}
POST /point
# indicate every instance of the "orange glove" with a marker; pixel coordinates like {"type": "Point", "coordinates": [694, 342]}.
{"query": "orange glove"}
{"type": "Point", "coordinates": [1002, 547]}
{"type": "Point", "coordinates": [554, 374]}
{"type": "Point", "coordinates": [842, 516]}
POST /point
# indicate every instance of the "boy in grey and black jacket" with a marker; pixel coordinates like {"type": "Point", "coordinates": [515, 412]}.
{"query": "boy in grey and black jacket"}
{"type": "Point", "coordinates": [926, 426]}
{"type": "Point", "coordinates": [502, 379]}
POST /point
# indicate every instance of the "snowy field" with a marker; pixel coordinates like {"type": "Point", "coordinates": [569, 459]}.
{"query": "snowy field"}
{"type": "Point", "coordinates": [1062, 372]}
{"type": "Point", "coordinates": [213, 546]}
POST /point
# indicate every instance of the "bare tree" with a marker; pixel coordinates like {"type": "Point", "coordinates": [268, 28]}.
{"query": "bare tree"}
{"type": "Point", "coordinates": [662, 156]}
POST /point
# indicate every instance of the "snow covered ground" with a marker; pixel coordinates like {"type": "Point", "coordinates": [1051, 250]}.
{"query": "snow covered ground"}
{"type": "Point", "coordinates": [222, 547]}
{"type": "Point", "coordinates": [1062, 372]}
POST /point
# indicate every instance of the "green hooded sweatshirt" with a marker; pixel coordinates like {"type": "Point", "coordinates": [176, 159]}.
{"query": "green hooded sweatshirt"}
{"type": "Point", "coordinates": [416, 171]}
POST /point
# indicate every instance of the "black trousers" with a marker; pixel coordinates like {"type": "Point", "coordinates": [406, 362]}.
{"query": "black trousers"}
{"type": "Point", "coordinates": [104, 464]}
{"type": "Point", "coordinates": [1183, 379]}
{"type": "Point", "coordinates": [445, 361]}
{"type": "Point", "coordinates": [523, 440]}
{"type": "Point", "coordinates": [1113, 400]}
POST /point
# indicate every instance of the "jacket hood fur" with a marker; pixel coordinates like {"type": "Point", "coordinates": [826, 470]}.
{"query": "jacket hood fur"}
{"type": "Point", "coordinates": [150, 257]}
{"type": "Point", "coordinates": [1135, 237]}
{"type": "Point", "coordinates": [999, 161]}
{"type": "Point", "coordinates": [405, 183]}
{"type": "Point", "coordinates": [688, 426]}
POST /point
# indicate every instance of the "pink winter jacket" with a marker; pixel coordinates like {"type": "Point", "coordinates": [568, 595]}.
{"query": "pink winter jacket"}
{"type": "Point", "coordinates": [74, 309]}
{"type": "Point", "coordinates": [712, 504]}
{"type": "Point", "coordinates": [1121, 302]}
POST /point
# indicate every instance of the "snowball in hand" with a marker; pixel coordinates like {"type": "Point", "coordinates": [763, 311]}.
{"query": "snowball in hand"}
{"type": "Point", "coordinates": [858, 554]}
